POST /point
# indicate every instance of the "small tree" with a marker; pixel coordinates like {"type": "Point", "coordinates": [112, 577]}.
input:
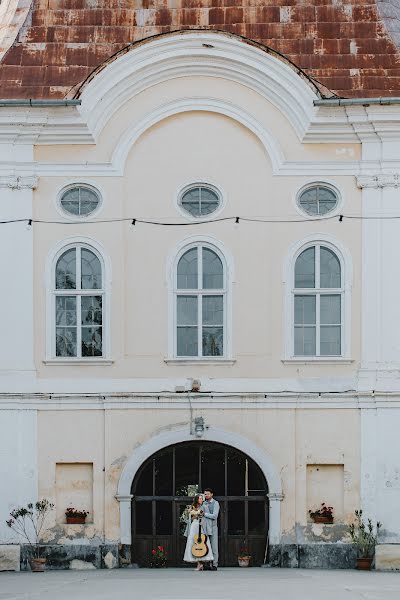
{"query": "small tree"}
{"type": "Point", "coordinates": [29, 522]}
{"type": "Point", "coordinates": [363, 536]}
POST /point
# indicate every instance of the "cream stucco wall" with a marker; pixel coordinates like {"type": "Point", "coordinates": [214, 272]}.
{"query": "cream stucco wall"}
{"type": "Point", "coordinates": [291, 439]}
{"type": "Point", "coordinates": [196, 146]}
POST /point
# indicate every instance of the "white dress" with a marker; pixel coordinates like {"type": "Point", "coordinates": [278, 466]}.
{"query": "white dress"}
{"type": "Point", "coordinates": [188, 556]}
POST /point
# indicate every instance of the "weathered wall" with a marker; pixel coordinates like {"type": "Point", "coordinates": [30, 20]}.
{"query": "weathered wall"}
{"type": "Point", "coordinates": [344, 44]}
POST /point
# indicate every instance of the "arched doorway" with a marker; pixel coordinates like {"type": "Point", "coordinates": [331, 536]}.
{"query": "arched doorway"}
{"type": "Point", "coordinates": [166, 483]}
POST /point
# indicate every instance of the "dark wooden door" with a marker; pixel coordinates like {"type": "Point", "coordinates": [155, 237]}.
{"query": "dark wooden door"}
{"type": "Point", "coordinates": [166, 484]}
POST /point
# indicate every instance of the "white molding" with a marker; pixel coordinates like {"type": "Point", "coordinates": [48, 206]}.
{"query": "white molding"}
{"type": "Point", "coordinates": [51, 261]}
{"type": "Point", "coordinates": [19, 182]}
{"type": "Point", "coordinates": [176, 436]}
{"type": "Point", "coordinates": [205, 182]}
{"type": "Point", "coordinates": [333, 185]}
{"type": "Point", "coordinates": [196, 53]}
{"type": "Point", "coordinates": [288, 277]}
{"type": "Point", "coordinates": [171, 266]}
{"type": "Point", "coordinates": [94, 186]}
{"type": "Point", "coordinates": [380, 180]}
{"type": "Point", "coordinates": [70, 362]}
{"type": "Point", "coordinates": [201, 361]}
{"type": "Point", "coordinates": [318, 360]}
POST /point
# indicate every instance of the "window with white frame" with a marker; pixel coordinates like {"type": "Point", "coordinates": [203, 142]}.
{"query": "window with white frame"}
{"type": "Point", "coordinates": [200, 303]}
{"type": "Point", "coordinates": [318, 302]}
{"type": "Point", "coordinates": [78, 291]}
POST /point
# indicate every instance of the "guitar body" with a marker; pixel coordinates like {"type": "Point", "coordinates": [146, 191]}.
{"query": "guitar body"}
{"type": "Point", "coordinates": [199, 547]}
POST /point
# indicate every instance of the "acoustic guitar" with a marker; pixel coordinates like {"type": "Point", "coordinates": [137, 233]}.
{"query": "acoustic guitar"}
{"type": "Point", "coordinates": [200, 548]}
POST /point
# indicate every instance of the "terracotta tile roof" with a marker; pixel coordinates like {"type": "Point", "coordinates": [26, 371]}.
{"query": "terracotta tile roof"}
{"type": "Point", "coordinates": [348, 45]}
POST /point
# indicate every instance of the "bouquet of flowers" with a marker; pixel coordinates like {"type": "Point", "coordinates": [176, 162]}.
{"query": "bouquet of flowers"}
{"type": "Point", "coordinates": [158, 557]}
{"type": "Point", "coordinates": [185, 516]}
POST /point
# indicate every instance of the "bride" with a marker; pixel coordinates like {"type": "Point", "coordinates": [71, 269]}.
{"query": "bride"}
{"type": "Point", "coordinates": [195, 515]}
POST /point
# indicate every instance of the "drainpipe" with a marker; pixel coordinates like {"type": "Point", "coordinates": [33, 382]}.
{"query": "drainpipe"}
{"type": "Point", "coordinates": [356, 101]}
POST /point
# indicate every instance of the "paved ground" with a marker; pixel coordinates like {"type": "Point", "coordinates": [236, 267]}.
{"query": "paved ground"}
{"type": "Point", "coordinates": [184, 584]}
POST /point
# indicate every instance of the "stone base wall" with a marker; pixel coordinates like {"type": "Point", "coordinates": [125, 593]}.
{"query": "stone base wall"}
{"type": "Point", "coordinates": [313, 556]}
{"type": "Point", "coordinates": [387, 557]}
{"type": "Point", "coordinates": [9, 557]}
{"type": "Point", "coordinates": [74, 556]}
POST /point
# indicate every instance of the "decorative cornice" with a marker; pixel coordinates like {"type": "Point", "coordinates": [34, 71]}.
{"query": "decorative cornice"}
{"type": "Point", "coordinates": [378, 181]}
{"type": "Point", "coordinates": [275, 497]}
{"type": "Point", "coordinates": [123, 497]}
{"type": "Point", "coordinates": [19, 182]}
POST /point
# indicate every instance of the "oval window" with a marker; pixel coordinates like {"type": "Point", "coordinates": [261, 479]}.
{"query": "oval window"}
{"type": "Point", "coordinates": [318, 200]}
{"type": "Point", "coordinates": [80, 201]}
{"type": "Point", "coordinates": [200, 201]}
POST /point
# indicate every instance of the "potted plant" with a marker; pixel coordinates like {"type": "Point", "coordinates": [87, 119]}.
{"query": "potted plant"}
{"type": "Point", "coordinates": [76, 517]}
{"type": "Point", "coordinates": [244, 557]}
{"type": "Point", "coordinates": [324, 514]}
{"type": "Point", "coordinates": [364, 538]}
{"type": "Point", "coordinates": [158, 557]}
{"type": "Point", "coordinates": [29, 521]}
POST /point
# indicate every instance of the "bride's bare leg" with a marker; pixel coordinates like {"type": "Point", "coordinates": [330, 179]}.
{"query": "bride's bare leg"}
{"type": "Point", "coordinates": [199, 566]}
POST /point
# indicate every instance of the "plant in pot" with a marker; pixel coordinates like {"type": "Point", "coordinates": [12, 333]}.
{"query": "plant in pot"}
{"type": "Point", "coordinates": [244, 557]}
{"type": "Point", "coordinates": [364, 536]}
{"type": "Point", "coordinates": [158, 557]}
{"type": "Point", "coordinates": [29, 522]}
{"type": "Point", "coordinates": [324, 514]}
{"type": "Point", "coordinates": [76, 517]}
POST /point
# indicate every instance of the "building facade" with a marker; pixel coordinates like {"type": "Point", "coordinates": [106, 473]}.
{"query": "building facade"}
{"type": "Point", "coordinates": [198, 249]}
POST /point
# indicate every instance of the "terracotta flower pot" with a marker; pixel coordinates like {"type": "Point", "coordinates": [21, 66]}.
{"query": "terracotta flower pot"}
{"type": "Point", "coordinates": [323, 519]}
{"type": "Point", "coordinates": [364, 564]}
{"type": "Point", "coordinates": [76, 520]}
{"type": "Point", "coordinates": [37, 564]}
{"type": "Point", "coordinates": [244, 561]}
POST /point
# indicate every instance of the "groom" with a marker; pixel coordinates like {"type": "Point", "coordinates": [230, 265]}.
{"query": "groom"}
{"type": "Point", "coordinates": [211, 511]}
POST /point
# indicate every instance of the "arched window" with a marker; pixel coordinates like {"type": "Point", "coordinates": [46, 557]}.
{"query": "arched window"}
{"type": "Point", "coordinates": [200, 303]}
{"type": "Point", "coordinates": [318, 303]}
{"type": "Point", "coordinates": [78, 292]}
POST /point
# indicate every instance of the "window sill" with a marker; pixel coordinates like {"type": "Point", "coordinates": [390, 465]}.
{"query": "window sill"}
{"type": "Point", "coordinates": [79, 361]}
{"type": "Point", "coordinates": [199, 361]}
{"type": "Point", "coordinates": [318, 360]}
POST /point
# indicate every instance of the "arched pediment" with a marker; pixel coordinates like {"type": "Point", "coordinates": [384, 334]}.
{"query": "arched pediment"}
{"type": "Point", "coordinates": [196, 53]}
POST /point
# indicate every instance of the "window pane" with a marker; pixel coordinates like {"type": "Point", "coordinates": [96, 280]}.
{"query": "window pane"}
{"type": "Point", "coordinates": [66, 271]}
{"type": "Point", "coordinates": [65, 341]}
{"type": "Point", "coordinates": [163, 474]}
{"type": "Point", "coordinates": [70, 201]}
{"type": "Point", "coordinates": [66, 310]}
{"type": "Point", "coordinates": [144, 485]}
{"type": "Point", "coordinates": [209, 201]}
{"type": "Point", "coordinates": [330, 269]}
{"type": "Point", "coordinates": [308, 201]}
{"type": "Point", "coordinates": [213, 310]}
{"type": "Point", "coordinates": [330, 341]}
{"type": "Point", "coordinates": [187, 310]}
{"type": "Point", "coordinates": [91, 271]}
{"type": "Point", "coordinates": [92, 341]}
{"type": "Point", "coordinates": [213, 469]}
{"type": "Point", "coordinates": [191, 201]}
{"type": "Point", "coordinates": [213, 271]}
{"type": "Point", "coordinates": [304, 310]}
{"type": "Point", "coordinates": [89, 201]}
{"type": "Point", "coordinates": [256, 481]}
{"type": "Point", "coordinates": [305, 269]}
{"type": "Point", "coordinates": [304, 341]}
{"type": "Point", "coordinates": [236, 480]}
{"type": "Point", "coordinates": [143, 521]}
{"type": "Point", "coordinates": [91, 310]}
{"type": "Point", "coordinates": [187, 342]}
{"type": "Point", "coordinates": [256, 517]}
{"type": "Point", "coordinates": [187, 271]}
{"type": "Point", "coordinates": [327, 200]}
{"type": "Point", "coordinates": [187, 477]}
{"type": "Point", "coordinates": [163, 518]}
{"type": "Point", "coordinates": [330, 310]}
{"type": "Point", "coordinates": [79, 201]}
{"type": "Point", "coordinates": [236, 517]}
{"type": "Point", "coordinates": [213, 341]}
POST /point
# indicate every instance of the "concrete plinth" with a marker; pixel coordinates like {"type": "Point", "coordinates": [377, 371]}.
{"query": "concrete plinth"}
{"type": "Point", "coordinates": [387, 557]}
{"type": "Point", "coordinates": [10, 557]}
